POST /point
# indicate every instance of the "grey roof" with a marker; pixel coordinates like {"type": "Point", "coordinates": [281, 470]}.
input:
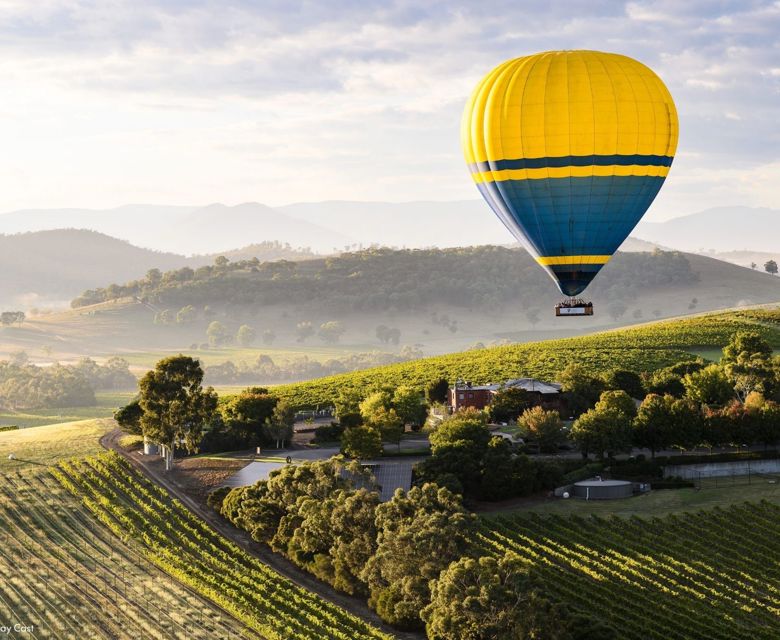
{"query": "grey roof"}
{"type": "Point", "coordinates": [390, 473]}
{"type": "Point", "coordinates": [529, 384]}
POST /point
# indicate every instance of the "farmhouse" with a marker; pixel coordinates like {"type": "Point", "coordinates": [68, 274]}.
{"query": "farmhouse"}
{"type": "Point", "coordinates": [463, 394]}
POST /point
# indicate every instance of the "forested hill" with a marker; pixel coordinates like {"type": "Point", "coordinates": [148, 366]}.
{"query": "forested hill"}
{"type": "Point", "coordinates": [48, 268]}
{"type": "Point", "coordinates": [486, 278]}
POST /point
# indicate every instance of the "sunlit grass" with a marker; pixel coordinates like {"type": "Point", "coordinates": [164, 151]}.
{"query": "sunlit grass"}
{"type": "Point", "coordinates": [51, 443]}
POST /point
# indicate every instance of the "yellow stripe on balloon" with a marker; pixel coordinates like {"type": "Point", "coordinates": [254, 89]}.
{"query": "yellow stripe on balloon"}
{"type": "Point", "coordinates": [561, 103]}
{"type": "Point", "coordinates": [547, 261]}
{"type": "Point", "coordinates": [570, 172]}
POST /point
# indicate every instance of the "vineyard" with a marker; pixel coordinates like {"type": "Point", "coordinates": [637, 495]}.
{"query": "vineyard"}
{"type": "Point", "coordinates": [644, 348]}
{"type": "Point", "coordinates": [71, 578]}
{"type": "Point", "coordinates": [183, 546]}
{"type": "Point", "coordinates": [711, 575]}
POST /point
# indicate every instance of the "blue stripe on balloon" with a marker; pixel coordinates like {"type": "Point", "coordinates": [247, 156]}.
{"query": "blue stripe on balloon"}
{"type": "Point", "coordinates": [571, 161]}
{"type": "Point", "coordinates": [572, 216]}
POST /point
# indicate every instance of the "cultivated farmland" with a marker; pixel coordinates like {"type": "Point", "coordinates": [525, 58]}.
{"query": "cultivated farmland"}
{"type": "Point", "coordinates": [711, 574]}
{"type": "Point", "coordinates": [71, 578]}
{"type": "Point", "coordinates": [178, 542]}
{"type": "Point", "coordinates": [643, 348]}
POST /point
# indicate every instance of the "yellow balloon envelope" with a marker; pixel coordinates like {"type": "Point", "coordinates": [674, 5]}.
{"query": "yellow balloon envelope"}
{"type": "Point", "coordinates": [569, 149]}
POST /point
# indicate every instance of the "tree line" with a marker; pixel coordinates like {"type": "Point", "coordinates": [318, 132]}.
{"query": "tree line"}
{"type": "Point", "coordinates": [735, 402]}
{"type": "Point", "coordinates": [27, 386]}
{"type": "Point", "coordinates": [174, 410]}
{"type": "Point", "coordinates": [264, 369]}
{"type": "Point", "coordinates": [383, 279]}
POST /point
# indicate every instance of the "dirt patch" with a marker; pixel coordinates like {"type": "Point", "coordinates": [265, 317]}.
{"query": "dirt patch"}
{"type": "Point", "coordinates": [197, 477]}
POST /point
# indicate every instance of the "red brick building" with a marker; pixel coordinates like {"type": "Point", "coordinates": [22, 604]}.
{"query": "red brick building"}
{"type": "Point", "coordinates": [463, 394]}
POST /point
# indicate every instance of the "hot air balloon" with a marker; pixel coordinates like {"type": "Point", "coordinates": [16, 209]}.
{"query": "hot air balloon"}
{"type": "Point", "coordinates": [569, 149]}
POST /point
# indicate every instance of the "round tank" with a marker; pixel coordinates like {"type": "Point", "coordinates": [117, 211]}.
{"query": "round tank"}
{"type": "Point", "coordinates": [150, 448]}
{"type": "Point", "coordinates": [596, 489]}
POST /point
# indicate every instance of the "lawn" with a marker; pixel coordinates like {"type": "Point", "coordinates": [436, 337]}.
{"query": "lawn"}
{"type": "Point", "coordinates": [656, 503]}
{"type": "Point", "coordinates": [107, 403]}
{"type": "Point", "coordinates": [49, 444]}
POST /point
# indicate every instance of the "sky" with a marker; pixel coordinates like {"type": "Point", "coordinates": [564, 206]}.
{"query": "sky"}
{"type": "Point", "coordinates": [109, 102]}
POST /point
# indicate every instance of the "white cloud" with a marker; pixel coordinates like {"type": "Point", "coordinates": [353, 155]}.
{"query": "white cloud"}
{"type": "Point", "coordinates": [197, 101]}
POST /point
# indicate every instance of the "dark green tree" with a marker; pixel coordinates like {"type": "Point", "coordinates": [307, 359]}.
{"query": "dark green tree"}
{"type": "Point", "coordinates": [175, 405]}
{"type": "Point", "coordinates": [437, 392]}
{"type": "Point", "coordinates": [247, 412]}
{"type": "Point", "coordinates": [279, 426]}
{"type": "Point", "coordinates": [494, 599]}
{"type": "Point", "coordinates": [708, 386]}
{"type": "Point", "coordinates": [581, 388]}
{"type": "Point", "coordinates": [747, 360]}
{"type": "Point", "coordinates": [363, 442]}
{"type": "Point", "coordinates": [544, 427]}
{"type": "Point", "coordinates": [653, 427]}
{"type": "Point", "coordinates": [129, 417]}
{"type": "Point", "coordinates": [622, 380]}
{"type": "Point", "coordinates": [508, 403]}
{"type": "Point", "coordinates": [419, 534]}
{"type": "Point", "coordinates": [607, 427]}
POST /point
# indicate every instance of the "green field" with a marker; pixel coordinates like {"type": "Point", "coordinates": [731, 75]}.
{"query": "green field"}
{"type": "Point", "coordinates": [708, 575]}
{"type": "Point", "coordinates": [49, 444]}
{"type": "Point", "coordinates": [107, 403]}
{"type": "Point", "coordinates": [181, 544]}
{"type": "Point", "coordinates": [71, 578]}
{"type": "Point", "coordinates": [659, 503]}
{"type": "Point", "coordinates": [643, 348]}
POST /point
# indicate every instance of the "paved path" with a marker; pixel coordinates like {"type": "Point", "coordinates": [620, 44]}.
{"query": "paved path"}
{"type": "Point", "coordinates": [276, 561]}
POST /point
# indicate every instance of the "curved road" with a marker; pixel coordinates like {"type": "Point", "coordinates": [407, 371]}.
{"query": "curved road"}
{"type": "Point", "coordinates": [276, 561]}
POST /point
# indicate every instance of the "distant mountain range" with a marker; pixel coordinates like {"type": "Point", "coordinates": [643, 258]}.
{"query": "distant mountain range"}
{"type": "Point", "coordinates": [182, 230]}
{"type": "Point", "coordinates": [722, 229]}
{"type": "Point", "coordinates": [49, 268]}
{"type": "Point", "coordinates": [330, 227]}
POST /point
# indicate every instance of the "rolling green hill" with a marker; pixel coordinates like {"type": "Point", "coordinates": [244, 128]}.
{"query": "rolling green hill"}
{"type": "Point", "coordinates": [439, 301]}
{"type": "Point", "coordinates": [643, 348]}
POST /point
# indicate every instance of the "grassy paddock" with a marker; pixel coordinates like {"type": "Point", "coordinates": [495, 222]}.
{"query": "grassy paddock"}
{"type": "Point", "coordinates": [49, 444]}
{"type": "Point", "coordinates": [107, 403]}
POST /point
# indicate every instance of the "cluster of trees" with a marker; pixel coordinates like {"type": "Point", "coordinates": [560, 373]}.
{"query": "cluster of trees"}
{"type": "Point", "coordinates": [413, 556]}
{"type": "Point", "coordinates": [26, 386]}
{"type": "Point", "coordinates": [381, 416]}
{"type": "Point", "coordinates": [736, 402]}
{"type": "Point", "coordinates": [265, 370]}
{"type": "Point", "coordinates": [382, 279]}
{"type": "Point", "coordinates": [113, 374]}
{"type": "Point", "coordinates": [7, 318]}
{"type": "Point", "coordinates": [174, 410]}
{"type": "Point", "coordinates": [469, 460]}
